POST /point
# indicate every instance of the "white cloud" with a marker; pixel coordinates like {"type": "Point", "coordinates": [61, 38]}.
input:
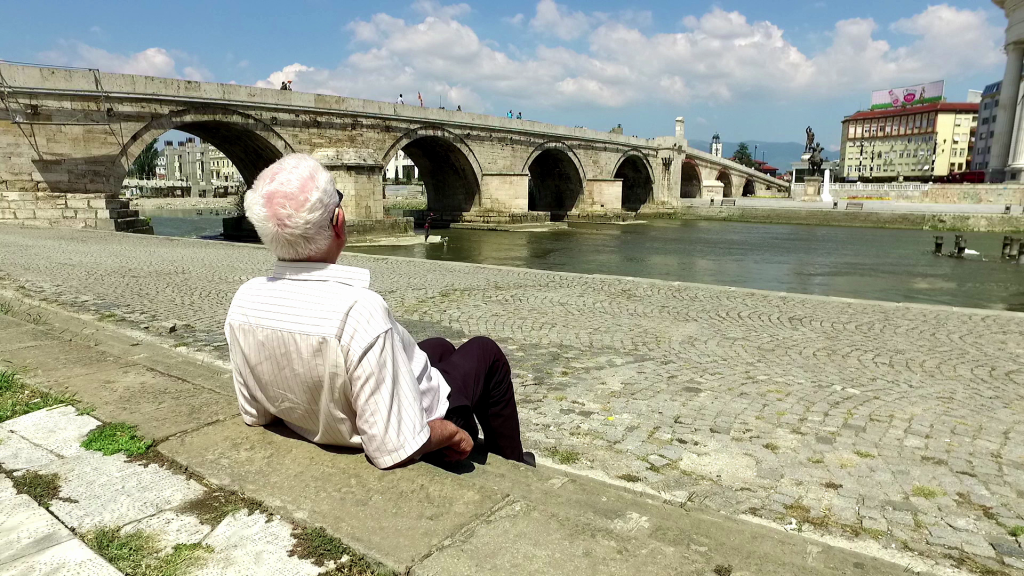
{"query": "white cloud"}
{"type": "Point", "coordinates": [721, 57]}
{"type": "Point", "coordinates": [555, 19]}
{"type": "Point", "coordinates": [149, 62]}
{"type": "Point", "coordinates": [516, 20]}
{"type": "Point", "coordinates": [437, 10]}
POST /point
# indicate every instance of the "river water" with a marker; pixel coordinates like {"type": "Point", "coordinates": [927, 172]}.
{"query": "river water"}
{"type": "Point", "coordinates": [868, 263]}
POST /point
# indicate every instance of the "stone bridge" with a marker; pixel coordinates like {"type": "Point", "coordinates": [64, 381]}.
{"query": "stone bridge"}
{"type": "Point", "coordinates": [68, 137]}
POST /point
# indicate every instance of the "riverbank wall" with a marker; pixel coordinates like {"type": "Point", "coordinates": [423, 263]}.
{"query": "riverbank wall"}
{"type": "Point", "coordinates": [817, 217]}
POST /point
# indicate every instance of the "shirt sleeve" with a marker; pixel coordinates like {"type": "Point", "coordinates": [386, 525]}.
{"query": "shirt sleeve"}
{"type": "Point", "coordinates": [387, 401]}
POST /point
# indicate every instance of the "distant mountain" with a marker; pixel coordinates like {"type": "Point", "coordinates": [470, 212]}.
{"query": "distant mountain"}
{"type": "Point", "coordinates": [778, 154]}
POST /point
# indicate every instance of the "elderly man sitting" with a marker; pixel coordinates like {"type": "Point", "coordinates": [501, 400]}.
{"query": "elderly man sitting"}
{"type": "Point", "coordinates": [314, 346]}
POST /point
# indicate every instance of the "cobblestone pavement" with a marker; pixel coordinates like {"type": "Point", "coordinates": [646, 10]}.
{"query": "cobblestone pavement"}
{"type": "Point", "coordinates": [902, 423]}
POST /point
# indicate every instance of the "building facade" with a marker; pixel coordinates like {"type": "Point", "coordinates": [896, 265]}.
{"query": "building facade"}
{"type": "Point", "coordinates": [401, 169]}
{"type": "Point", "coordinates": [207, 171]}
{"type": "Point", "coordinates": [916, 143]}
{"type": "Point", "coordinates": [987, 117]}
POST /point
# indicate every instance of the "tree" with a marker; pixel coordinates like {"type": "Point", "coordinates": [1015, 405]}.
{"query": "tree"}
{"type": "Point", "coordinates": [144, 165]}
{"type": "Point", "coordinates": [742, 156]}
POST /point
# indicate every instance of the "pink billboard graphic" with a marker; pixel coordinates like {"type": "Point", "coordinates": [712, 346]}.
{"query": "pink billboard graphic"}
{"type": "Point", "coordinates": [908, 95]}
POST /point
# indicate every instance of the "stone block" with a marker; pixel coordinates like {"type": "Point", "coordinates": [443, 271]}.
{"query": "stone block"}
{"type": "Point", "coordinates": [115, 214]}
{"type": "Point", "coordinates": [18, 195]}
{"type": "Point", "coordinates": [99, 490]}
{"type": "Point", "coordinates": [24, 214]}
{"type": "Point", "coordinates": [59, 430]}
{"type": "Point", "coordinates": [70, 558]}
{"type": "Point", "coordinates": [16, 453]}
{"type": "Point", "coordinates": [52, 213]}
{"type": "Point", "coordinates": [7, 215]}
{"type": "Point", "coordinates": [26, 529]}
{"type": "Point", "coordinates": [77, 202]}
{"type": "Point", "coordinates": [256, 545]}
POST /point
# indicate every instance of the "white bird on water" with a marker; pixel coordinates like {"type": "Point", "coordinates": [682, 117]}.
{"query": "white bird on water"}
{"type": "Point", "coordinates": [971, 252]}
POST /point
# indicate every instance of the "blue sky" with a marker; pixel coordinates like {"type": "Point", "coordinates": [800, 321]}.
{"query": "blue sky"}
{"type": "Point", "coordinates": [752, 70]}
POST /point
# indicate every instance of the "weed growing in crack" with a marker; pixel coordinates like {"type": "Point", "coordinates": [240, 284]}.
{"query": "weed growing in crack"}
{"type": "Point", "coordinates": [116, 437]}
{"type": "Point", "coordinates": [927, 492]}
{"type": "Point", "coordinates": [137, 553]}
{"type": "Point", "coordinates": [319, 547]}
{"type": "Point", "coordinates": [43, 488]}
{"type": "Point", "coordinates": [563, 456]}
{"type": "Point", "coordinates": [214, 505]}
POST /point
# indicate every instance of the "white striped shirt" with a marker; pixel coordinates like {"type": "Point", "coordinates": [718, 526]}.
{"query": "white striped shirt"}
{"type": "Point", "coordinates": [314, 346]}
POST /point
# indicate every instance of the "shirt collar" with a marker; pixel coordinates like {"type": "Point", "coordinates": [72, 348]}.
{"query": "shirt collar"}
{"type": "Point", "coordinates": [356, 277]}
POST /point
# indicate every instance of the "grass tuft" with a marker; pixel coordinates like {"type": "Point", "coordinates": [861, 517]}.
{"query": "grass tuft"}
{"type": "Point", "coordinates": [830, 485]}
{"type": "Point", "coordinates": [563, 456]}
{"type": "Point", "coordinates": [43, 488]}
{"type": "Point", "coordinates": [319, 547]}
{"type": "Point", "coordinates": [772, 446]}
{"type": "Point", "coordinates": [723, 570]}
{"type": "Point", "coordinates": [864, 454]}
{"type": "Point", "coordinates": [136, 553]}
{"type": "Point", "coordinates": [18, 398]}
{"type": "Point", "coordinates": [927, 492]}
{"type": "Point", "coordinates": [1016, 531]}
{"type": "Point", "coordinates": [815, 459]}
{"type": "Point", "coordinates": [116, 437]}
{"type": "Point", "coordinates": [213, 506]}
{"type": "Point", "coordinates": [629, 477]}
{"type": "Point", "coordinates": [6, 308]}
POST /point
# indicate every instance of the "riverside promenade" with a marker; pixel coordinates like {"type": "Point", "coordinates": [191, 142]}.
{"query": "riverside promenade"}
{"type": "Point", "coordinates": [896, 427]}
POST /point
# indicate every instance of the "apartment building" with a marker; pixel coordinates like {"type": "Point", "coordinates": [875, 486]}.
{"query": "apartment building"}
{"type": "Point", "coordinates": [915, 143]}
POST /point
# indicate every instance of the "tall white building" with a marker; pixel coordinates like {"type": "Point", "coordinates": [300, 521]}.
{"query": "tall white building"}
{"type": "Point", "coordinates": [1006, 161]}
{"type": "Point", "coordinates": [402, 167]}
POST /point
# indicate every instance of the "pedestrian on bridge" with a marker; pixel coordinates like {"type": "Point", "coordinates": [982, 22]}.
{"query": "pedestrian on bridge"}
{"type": "Point", "coordinates": [313, 346]}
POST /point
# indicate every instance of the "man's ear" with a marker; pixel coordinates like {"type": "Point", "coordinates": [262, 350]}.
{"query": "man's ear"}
{"type": "Point", "coordinates": [339, 225]}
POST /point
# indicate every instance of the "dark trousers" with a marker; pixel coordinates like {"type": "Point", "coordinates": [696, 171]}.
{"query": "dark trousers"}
{"type": "Point", "coordinates": [481, 385]}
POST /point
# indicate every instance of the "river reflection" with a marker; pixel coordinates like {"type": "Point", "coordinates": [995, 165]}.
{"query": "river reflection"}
{"type": "Point", "coordinates": [876, 264]}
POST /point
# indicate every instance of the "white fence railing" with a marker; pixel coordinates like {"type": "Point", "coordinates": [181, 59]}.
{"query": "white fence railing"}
{"type": "Point", "coordinates": [150, 183]}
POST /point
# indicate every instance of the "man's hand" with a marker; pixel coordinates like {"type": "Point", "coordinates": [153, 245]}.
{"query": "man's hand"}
{"type": "Point", "coordinates": [453, 442]}
{"type": "Point", "coordinates": [460, 446]}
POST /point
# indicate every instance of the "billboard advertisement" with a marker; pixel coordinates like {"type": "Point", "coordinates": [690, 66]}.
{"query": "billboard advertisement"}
{"type": "Point", "coordinates": [907, 95]}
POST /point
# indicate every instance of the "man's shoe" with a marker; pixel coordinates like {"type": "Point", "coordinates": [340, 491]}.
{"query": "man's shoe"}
{"type": "Point", "coordinates": [529, 459]}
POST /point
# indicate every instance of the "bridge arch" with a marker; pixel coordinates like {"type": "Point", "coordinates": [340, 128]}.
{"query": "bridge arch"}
{"type": "Point", "coordinates": [557, 179]}
{"type": "Point", "coordinates": [248, 142]}
{"type": "Point", "coordinates": [449, 169]}
{"type": "Point", "coordinates": [749, 188]}
{"type": "Point", "coordinates": [690, 180]}
{"type": "Point", "coordinates": [726, 179]}
{"type": "Point", "coordinates": [637, 179]}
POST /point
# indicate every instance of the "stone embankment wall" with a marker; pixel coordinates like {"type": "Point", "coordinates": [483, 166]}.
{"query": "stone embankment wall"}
{"type": "Point", "coordinates": [50, 209]}
{"type": "Point", "coordinates": [914, 221]}
{"type": "Point", "coordinates": [178, 203]}
{"type": "Point", "coordinates": [965, 194]}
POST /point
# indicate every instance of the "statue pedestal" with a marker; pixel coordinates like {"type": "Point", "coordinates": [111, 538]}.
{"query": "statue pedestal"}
{"type": "Point", "coordinates": [812, 189]}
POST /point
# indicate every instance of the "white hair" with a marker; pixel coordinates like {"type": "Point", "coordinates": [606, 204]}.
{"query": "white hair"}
{"type": "Point", "coordinates": [291, 205]}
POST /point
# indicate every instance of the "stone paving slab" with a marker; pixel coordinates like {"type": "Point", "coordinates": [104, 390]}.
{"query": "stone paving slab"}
{"type": "Point", "coordinates": [25, 337]}
{"type": "Point", "coordinates": [159, 404]}
{"type": "Point", "coordinates": [26, 529]}
{"type": "Point", "coordinates": [8, 323]}
{"type": "Point", "coordinates": [57, 362]}
{"type": "Point", "coordinates": [396, 516]}
{"type": "Point", "coordinates": [99, 490]}
{"type": "Point", "coordinates": [6, 488]}
{"type": "Point", "coordinates": [59, 430]}
{"type": "Point", "coordinates": [71, 558]}
{"type": "Point", "coordinates": [253, 545]}
{"type": "Point", "coordinates": [171, 528]}
{"type": "Point", "coordinates": [16, 453]}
